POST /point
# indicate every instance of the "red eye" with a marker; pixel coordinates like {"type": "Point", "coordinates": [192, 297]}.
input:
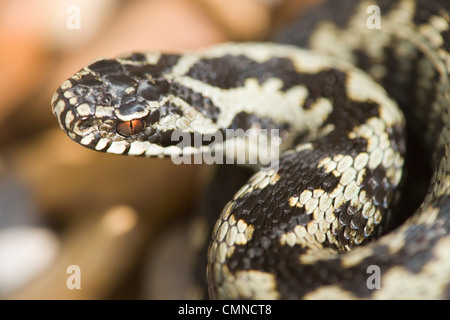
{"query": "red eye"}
{"type": "Point", "coordinates": [129, 128]}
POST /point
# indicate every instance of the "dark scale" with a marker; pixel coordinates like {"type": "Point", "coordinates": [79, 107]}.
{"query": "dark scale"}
{"type": "Point", "coordinates": [137, 57]}
{"type": "Point", "coordinates": [201, 103]}
{"type": "Point", "coordinates": [153, 90]}
{"type": "Point", "coordinates": [230, 71]}
{"type": "Point", "coordinates": [154, 71]}
{"type": "Point", "coordinates": [106, 66]}
{"type": "Point", "coordinates": [245, 121]}
{"type": "Point", "coordinates": [116, 84]}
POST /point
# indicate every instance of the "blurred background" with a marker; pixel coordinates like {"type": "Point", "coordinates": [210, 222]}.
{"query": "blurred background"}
{"type": "Point", "coordinates": [63, 205]}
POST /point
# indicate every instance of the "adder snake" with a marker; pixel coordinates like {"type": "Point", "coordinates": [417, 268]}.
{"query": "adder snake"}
{"type": "Point", "coordinates": [313, 226]}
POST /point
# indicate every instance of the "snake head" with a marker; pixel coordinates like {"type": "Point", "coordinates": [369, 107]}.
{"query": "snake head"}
{"type": "Point", "coordinates": [115, 105]}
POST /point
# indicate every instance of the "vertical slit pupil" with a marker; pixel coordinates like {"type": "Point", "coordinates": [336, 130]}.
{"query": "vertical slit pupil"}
{"type": "Point", "coordinates": [132, 127]}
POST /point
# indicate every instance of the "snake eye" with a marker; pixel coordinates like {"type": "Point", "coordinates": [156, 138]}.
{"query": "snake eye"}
{"type": "Point", "coordinates": [129, 128]}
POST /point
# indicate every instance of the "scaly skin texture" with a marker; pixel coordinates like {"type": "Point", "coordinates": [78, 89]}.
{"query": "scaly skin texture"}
{"type": "Point", "coordinates": [296, 232]}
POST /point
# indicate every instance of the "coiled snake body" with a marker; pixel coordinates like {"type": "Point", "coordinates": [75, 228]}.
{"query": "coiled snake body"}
{"type": "Point", "coordinates": [295, 231]}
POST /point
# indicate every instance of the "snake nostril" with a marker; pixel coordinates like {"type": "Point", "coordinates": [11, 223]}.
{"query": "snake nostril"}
{"type": "Point", "coordinates": [84, 127]}
{"type": "Point", "coordinates": [85, 124]}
